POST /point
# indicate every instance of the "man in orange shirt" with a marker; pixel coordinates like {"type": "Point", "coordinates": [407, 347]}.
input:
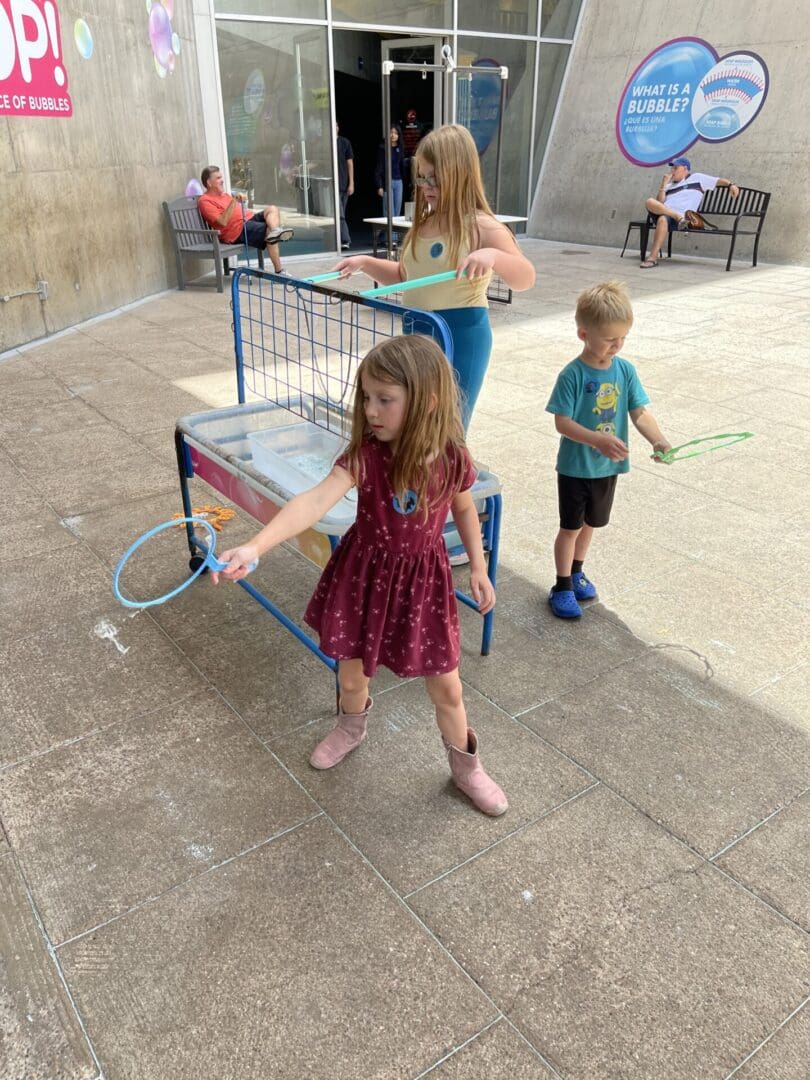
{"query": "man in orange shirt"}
{"type": "Point", "coordinates": [224, 214]}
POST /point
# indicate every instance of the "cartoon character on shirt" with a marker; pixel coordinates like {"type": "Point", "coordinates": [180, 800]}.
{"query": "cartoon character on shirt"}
{"type": "Point", "coordinates": [607, 398]}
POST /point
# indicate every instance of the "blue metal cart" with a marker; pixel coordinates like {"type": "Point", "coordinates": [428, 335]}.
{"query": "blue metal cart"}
{"type": "Point", "coordinates": [297, 347]}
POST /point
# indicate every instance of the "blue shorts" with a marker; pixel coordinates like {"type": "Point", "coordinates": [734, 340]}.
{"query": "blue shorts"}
{"type": "Point", "coordinates": [471, 335]}
{"type": "Point", "coordinates": [255, 229]}
{"type": "Point", "coordinates": [672, 224]}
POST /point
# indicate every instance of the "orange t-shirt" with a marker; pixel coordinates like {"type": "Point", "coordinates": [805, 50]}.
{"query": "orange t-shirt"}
{"type": "Point", "coordinates": [213, 206]}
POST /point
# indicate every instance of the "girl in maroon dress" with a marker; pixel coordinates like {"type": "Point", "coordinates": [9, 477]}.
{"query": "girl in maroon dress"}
{"type": "Point", "coordinates": [386, 595]}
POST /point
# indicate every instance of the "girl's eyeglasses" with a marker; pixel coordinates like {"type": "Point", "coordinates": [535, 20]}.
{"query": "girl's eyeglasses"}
{"type": "Point", "coordinates": [427, 181]}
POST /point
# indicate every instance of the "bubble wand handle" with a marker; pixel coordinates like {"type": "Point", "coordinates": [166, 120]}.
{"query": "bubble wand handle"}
{"type": "Point", "coordinates": [333, 275]}
{"type": "Point", "coordinates": [415, 283]}
{"type": "Point", "coordinates": [209, 561]}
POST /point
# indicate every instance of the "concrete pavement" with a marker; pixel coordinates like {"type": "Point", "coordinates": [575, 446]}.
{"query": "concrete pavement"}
{"type": "Point", "coordinates": [181, 895]}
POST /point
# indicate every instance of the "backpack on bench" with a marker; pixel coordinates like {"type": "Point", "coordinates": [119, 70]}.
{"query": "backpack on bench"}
{"type": "Point", "coordinates": [697, 221]}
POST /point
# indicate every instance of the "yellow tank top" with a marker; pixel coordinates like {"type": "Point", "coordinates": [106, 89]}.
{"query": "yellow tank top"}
{"type": "Point", "coordinates": [430, 255]}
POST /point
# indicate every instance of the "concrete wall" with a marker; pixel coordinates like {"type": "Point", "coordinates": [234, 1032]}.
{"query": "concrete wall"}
{"type": "Point", "coordinates": [588, 190]}
{"type": "Point", "coordinates": [81, 206]}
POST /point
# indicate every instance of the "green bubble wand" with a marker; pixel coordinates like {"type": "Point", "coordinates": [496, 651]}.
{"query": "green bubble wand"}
{"type": "Point", "coordinates": [707, 444]}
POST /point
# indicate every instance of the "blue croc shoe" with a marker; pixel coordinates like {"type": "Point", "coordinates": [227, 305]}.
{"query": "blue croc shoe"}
{"type": "Point", "coordinates": [583, 589]}
{"type": "Point", "coordinates": [564, 604]}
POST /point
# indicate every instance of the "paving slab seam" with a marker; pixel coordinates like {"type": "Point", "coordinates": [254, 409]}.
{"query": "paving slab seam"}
{"type": "Point", "coordinates": [552, 1069]}
{"type": "Point", "coordinates": [452, 1053]}
{"type": "Point", "coordinates": [51, 950]}
{"type": "Point", "coordinates": [96, 731]}
{"type": "Point", "coordinates": [758, 825]}
{"type": "Point", "coordinates": [782, 674]}
{"type": "Point", "coordinates": [150, 900]}
{"type": "Point", "coordinates": [268, 740]}
{"type": "Point", "coordinates": [533, 1049]}
{"type": "Point", "coordinates": [679, 839]}
{"type": "Point", "coordinates": [760, 899]}
{"type": "Point", "coordinates": [756, 1049]}
{"type": "Point", "coordinates": [501, 839]}
{"type": "Point", "coordinates": [580, 686]}
{"type": "Point", "coordinates": [78, 328]}
{"type": "Point", "coordinates": [412, 915]}
{"type": "Point", "coordinates": [468, 690]}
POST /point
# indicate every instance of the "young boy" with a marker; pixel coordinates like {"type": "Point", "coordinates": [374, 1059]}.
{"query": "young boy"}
{"type": "Point", "coordinates": [591, 401]}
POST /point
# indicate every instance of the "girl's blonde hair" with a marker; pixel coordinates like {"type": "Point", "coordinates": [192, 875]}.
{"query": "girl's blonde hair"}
{"type": "Point", "coordinates": [432, 433]}
{"type": "Point", "coordinates": [606, 303]}
{"type": "Point", "coordinates": [452, 153]}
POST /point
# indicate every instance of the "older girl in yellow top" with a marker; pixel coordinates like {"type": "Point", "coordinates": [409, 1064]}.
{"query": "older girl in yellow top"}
{"type": "Point", "coordinates": [453, 229]}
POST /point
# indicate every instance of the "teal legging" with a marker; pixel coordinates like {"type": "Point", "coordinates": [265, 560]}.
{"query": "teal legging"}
{"type": "Point", "coordinates": [472, 345]}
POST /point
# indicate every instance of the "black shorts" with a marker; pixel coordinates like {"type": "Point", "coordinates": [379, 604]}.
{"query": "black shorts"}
{"type": "Point", "coordinates": [585, 501]}
{"type": "Point", "coordinates": [256, 229]}
{"type": "Point", "coordinates": [672, 222]}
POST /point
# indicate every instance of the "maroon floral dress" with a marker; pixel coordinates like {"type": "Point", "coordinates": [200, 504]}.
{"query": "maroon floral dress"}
{"type": "Point", "coordinates": [386, 595]}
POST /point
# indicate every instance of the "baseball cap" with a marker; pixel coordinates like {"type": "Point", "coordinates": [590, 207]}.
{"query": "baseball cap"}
{"type": "Point", "coordinates": [681, 161]}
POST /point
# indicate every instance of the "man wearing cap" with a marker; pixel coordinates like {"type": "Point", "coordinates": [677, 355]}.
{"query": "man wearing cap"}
{"type": "Point", "coordinates": [679, 191]}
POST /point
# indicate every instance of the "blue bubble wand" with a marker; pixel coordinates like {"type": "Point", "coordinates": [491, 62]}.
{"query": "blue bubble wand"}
{"type": "Point", "coordinates": [209, 561]}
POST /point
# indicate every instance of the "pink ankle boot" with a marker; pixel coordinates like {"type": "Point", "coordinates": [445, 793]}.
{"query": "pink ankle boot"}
{"type": "Point", "coordinates": [469, 777]}
{"type": "Point", "coordinates": [344, 737]}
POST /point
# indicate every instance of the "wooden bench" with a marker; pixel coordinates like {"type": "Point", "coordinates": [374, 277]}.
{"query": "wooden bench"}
{"type": "Point", "coordinates": [748, 212]}
{"type": "Point", "coordinates": [192, 238]}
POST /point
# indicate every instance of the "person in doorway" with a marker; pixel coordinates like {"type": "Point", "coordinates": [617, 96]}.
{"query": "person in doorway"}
{"type": "Point", "coordinates": [412, 134]}
{"type": "Point", "coordinates": [227, 216]}
{"type": "Point", "coordinates": [397, 173]}
{"type": "Point", "coordinates": [387, 594]}
{"type": "Point", "coordinates": [345, 163]}
{"type": "Point", "coordinates": [592, 399]}
{"type": "Point", "coordinates": [453, 228]}
{"type": "Point", "coordinates": [679, 191]}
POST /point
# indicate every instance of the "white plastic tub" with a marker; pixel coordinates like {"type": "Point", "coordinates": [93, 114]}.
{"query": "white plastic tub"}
{"type": "Point", "coordinates": [296, 456]}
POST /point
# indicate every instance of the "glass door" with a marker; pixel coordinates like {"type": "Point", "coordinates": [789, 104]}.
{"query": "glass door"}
{"type": "Point", "coordinates": [416, 97]}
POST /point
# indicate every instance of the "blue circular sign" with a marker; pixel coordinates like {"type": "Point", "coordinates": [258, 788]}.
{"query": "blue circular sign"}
{"type": "Point", "coordinates": [654, 119]}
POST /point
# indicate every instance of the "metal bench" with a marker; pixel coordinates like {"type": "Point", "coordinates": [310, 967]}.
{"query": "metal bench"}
{"type": "Point", "coordinates": [191, 237]}
{"type": "Point", "coordinates": [747, 210]}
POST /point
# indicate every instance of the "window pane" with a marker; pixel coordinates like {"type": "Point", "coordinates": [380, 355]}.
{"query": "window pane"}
{"type": "Point", "coordinates": [553, 59]}
{"type": "Point", "coordinates": [500, 16]}
{"type": "Point", "coordinates": [477, 107]}
{"type": "Point", "coordinates": [281, 9]}
{"type": "Point", "coordinates": [429, 13]}
{"type": "Point", "coordinates": [275, 100]}
{"type": "Point", "coordinates": [558, 18]}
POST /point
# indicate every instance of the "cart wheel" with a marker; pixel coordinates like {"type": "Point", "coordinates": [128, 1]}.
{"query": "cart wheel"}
{"type": "Point", "coordinates": [195, 562]}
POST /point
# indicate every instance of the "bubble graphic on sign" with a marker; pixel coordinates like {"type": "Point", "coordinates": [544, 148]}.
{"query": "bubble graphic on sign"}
{"type": "Point", "coordinates": [729, 96]}
{"type": "Point", "coordinates": [253, 96]}
{"type": "Point", "coordinates": [194, 188]}
{"type": "Point", "coordinates": [83, 39]}
{"type": "Point", "coordinates": [654, 119]}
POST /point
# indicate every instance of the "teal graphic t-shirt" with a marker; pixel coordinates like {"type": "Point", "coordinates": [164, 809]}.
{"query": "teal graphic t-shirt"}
{"type": "Point", "coordinates": [600, 399]}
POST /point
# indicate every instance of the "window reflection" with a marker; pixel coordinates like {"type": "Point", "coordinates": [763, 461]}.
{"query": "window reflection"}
{"type": "Point", "coordinates": [498, 16]}
{"type": "Point", "coordinates": [428, 13]}
{"type": "Point", "coordinates": [280, 9]}
{"type": "Point", "coordinates": [558, 18]}
{"type": "Point", "coordinates": [553, 59]}
{"type": "Point", "coordinates": [275, 97]}
{"type": "Point", "coordinates": [478, 107]}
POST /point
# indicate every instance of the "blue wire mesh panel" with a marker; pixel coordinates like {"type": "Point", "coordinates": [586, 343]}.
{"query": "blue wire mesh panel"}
{"type": "Point", "coordinates": [298, 345]}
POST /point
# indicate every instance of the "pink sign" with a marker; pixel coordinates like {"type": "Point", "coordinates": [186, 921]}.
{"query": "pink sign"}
{"type": "Point", "coordinates": [33, 80]}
